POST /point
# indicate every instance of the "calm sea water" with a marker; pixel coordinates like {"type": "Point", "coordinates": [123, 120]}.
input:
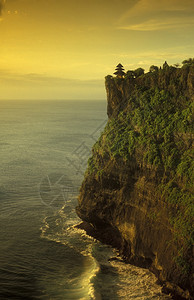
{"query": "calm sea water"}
{"type": "Point", "coordinates": [44, 147]}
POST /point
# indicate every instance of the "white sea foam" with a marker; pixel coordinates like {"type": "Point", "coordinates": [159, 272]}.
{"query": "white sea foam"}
{"type": "Point", "coordinates": [81, 243]}
{"type": "Point", "coordinates": [103, 277]}
{"type": "Point", "coordinates": [124, 280]}
{"type": "Point", "coordinates": [136, 283]}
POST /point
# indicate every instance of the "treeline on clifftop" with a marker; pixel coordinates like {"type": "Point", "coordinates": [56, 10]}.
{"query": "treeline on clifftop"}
{"type": "Point", "coordinates": [148, 137]}
{"type": "Point", "coordinates": [131, 74]}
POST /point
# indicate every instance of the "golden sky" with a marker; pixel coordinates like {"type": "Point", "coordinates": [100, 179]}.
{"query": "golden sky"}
{"type": "Point", "coordinates": [59, 49]}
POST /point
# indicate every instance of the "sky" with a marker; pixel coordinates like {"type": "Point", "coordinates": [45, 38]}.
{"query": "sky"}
{"type": "Point", "coordinates": [59, 49]}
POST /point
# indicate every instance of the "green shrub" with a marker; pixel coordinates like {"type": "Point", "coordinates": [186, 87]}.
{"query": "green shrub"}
{"type": "Point", "coordinates": [156, 127]}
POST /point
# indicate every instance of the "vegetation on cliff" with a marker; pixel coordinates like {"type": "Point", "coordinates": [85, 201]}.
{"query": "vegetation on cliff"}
{"type": "Point", "coordinates": [157, 131]}
{"type": "Point", "coordinates": [149, 134]}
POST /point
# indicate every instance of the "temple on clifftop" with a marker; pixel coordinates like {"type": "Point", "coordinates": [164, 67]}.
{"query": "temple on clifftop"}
{"type": "Point", "coordinates": [119, 71]}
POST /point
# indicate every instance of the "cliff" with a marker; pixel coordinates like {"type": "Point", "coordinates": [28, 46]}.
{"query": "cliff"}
{"type": "Point", "coordinates": [137, 190]}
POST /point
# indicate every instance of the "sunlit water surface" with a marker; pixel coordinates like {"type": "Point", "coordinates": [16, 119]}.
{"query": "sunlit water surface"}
{"type": "Point", "coordinates": [44, 147]}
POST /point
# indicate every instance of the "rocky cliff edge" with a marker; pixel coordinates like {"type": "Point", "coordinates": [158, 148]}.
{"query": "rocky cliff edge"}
{"type": "Point", "coordinates": [137, 190]}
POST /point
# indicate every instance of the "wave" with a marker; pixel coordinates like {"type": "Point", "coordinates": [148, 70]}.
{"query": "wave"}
{"type": "Point", "coordinates": [60, 228]}
{"type": "Point", "coordinates": [104, 274]}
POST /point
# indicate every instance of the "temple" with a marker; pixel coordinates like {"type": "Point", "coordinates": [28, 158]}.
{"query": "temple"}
{"type": "Point", "coordinates": [119, 71]}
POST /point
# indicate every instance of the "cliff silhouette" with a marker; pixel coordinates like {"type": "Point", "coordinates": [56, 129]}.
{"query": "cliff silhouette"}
{"type": "Point", "coordinates": [137, 190]}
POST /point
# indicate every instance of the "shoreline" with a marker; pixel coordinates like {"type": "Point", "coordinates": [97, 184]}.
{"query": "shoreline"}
{"type": "Point", "coordinates": [173, 291]}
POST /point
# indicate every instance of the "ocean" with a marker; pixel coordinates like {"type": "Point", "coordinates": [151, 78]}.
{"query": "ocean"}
{"type": "Point", "coordinates": [44, 147]}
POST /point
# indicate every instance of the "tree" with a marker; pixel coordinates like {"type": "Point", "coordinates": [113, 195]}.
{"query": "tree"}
{"type": "Point", "coordinates": [189, 61]}
{"type": "Point", "coordinates": [119, 71]}
{"type": "Point", "coordinates": [138, 72]}
{"type": "Point", "coordinates": [129, 74]}
{"type": "Point", "coordinates": [177, 65]}
{"type": "Point", "coordinates": [165, 65]}
{"type": "Point", "coordinates": [108, 77]}
{"type": "Point", "coordinates": [153, 68]}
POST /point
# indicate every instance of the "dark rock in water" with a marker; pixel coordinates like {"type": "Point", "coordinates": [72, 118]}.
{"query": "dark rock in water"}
{"type": "Point", "coordinates": [105, 233]}
{"type": "Point", "coordinates": [136, 194]}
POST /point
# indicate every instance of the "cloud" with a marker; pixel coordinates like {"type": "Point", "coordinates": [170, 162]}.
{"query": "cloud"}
{"type": "Point", "coordinates": [171, 53]}
{"type": "Point", "coordinates": [147, 7]}
{"type": "Point", "coordinates": [157, 24]}
{"type": "Point", "coordinates": [40, 86]}
{"type": "Point", "coordinates": [146, 58]}
{"type": "Point", "coordinates": [151, 15]}
{"type": "Point", "coordinates": [34, 79]}
{"type": "Point", "coordinates": [41, 79]}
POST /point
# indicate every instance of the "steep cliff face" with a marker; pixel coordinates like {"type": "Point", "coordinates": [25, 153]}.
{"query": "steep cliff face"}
{"type": "Point", "coordinates": [137, 191]}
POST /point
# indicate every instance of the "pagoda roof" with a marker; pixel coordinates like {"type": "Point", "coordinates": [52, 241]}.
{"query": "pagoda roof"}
{"type": "Point", "coordinates": [119, 66]}
{"type": "Point", "coordinates": [119, 72]}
